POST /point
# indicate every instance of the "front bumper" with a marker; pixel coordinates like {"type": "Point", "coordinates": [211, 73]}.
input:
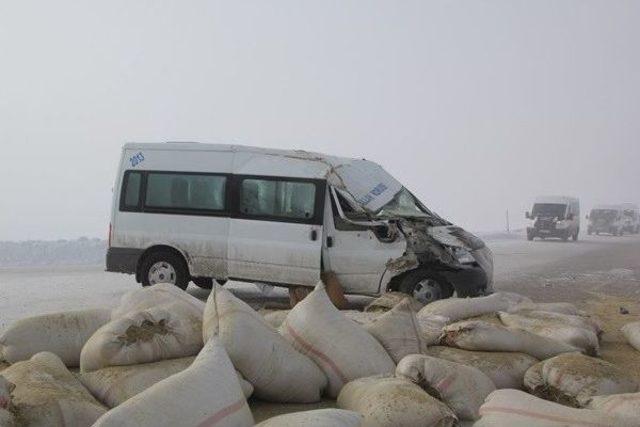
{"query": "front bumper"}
{"type": "Point", "coordinates": [473, 279]}
{"type": "Point", "coordinates": [546, 232]}
{"type": "Point", "coordinates": [123, 260]}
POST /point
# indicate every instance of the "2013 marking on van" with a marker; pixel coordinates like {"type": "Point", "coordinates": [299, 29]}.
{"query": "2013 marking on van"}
{"type": "Point", "coordinates": [136, 159]}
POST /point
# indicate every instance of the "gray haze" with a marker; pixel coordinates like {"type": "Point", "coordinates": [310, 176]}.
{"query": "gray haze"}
{"type": "Point", "coordinates": [477, 106]}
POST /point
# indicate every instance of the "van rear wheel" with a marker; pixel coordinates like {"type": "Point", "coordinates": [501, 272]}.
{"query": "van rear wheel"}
{"type": "Point", "coordinates": [425, 286]}
{"type": "Point", "coordinates": [164, 267]}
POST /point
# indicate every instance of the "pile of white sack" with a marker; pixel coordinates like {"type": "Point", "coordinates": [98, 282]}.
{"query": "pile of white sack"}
{"type": "Point", "coordinates": [164, 358]}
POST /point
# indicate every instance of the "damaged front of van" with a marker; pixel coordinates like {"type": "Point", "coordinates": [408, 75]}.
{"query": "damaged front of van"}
{"type": "Point", "coordinates": [438, 258]}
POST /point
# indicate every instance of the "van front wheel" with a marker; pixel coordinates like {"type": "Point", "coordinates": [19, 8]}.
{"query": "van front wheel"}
{"type": "Point", "coordinates": [164, 267]}
{"type": "Point", "coordinates": [425, 286]}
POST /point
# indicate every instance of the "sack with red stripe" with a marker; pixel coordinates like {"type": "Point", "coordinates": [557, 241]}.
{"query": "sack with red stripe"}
{"type": "Point", "coordinates": [394, 402]}
{"type": "Point", "coordinates": [505, 369]}
{"type": "Point", "coordinates": [264, 357]}
{"type": "Point", "coordinates": [206, 394]}
{"type": "Point", "coordinates": [6, 416]}
{"type": "Point", "coordinates": [515, 408]}
{"type": "Point", "coordinates": [625, 406]}
{"type": "Point", "coordinates": [572, 377]}
{"type": "Point", "coordinates": [343, 349]}
{"type": "Point", "coordinates": [461, 387]}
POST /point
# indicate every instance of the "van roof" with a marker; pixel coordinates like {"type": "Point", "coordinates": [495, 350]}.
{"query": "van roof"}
{"type": "Point", "coordinates": [556, 199]}
{"type": "Point", "coordinates": [366, 182]}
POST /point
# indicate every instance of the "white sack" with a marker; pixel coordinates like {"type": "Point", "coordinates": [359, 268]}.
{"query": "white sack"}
{"type": "Point", "coordinates": [361, 317]}
{"type": "Point", "coordinates": [343, 349]}
{"type": "Point", "coordinates": [570, 378]}
{"type": "Point", "coordinates": [394, 402]}
{"type": "Point", "coordinates": [431, 328]}
{"type": "Point", "coordinates": [315, 418]}
{"type": "Point", "coordinates": [505, 369]}
{"type": "Point", "coordinates": [153, 296]}
{"type": "Point", "coordinates": [115, 384]}
{"type": "Point", "coordinates": [515, 408]}
{"type": "Point", "coordinates": [555, 307]}
{"type": "Point", "coordinates": [205, 394]}
{"type": "Point", "coordinates": [631, 332]}
{"type": "Point", "coordinates": [6, 415]}
{"type": "Point", "coordinates": [265, 358]}
{"type": "Point", "coordinates": [483, 336]}
{"type": "Point", "coordinates": [585, 321]}
{"type": "Point", "coordinates": [46, 394]}
{"type": "Point", "coordinates": [463, 388]}
{"type": "Point", "coordinates": [158, 333]}
{"type": "Point", "coordinates": [63, 334]}
{"type": "Point", "coordinates": [398, 331]}
{"type": "Point", "coordinates": [625, 406]}
{"type": "Point", "coordinates": [462, 308]}
{"type": "Point", "coordinates": [275, 318]}
{"type": "Point", "coordinates": [581, 337]}
{"type": "Point", "coordinates": [388, 300]}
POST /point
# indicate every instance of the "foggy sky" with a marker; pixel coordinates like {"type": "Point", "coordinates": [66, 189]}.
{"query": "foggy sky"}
{"type": "Point", "coordinates": [476, 106]}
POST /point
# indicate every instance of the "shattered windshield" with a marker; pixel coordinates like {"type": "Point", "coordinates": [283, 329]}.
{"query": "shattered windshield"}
{"type": "Point", "coordinates": [403, 204]}
{"type": "Point", "coordinates": [549, 210]}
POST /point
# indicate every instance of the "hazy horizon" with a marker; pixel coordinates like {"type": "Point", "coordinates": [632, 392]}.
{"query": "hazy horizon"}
{"type": "Point", "coordinates": [477, 107]}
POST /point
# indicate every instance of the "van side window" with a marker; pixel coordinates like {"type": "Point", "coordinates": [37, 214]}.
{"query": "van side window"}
{"type": "Point", "coordinates": [178, 191]}
{"type": "Point", "coordinates": [277, 198]}
{"type": "Point", "coordinates": [130, 196]}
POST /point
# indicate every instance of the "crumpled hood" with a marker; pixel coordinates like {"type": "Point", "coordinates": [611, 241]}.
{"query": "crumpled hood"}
{"type": "Point", "coordinates": [451, 235]}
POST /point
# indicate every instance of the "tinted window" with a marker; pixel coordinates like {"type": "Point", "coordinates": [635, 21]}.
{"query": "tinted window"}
{"type": "Point", "coordinates": [285, 199]}
{"type": "Point", "coordinates": [185, 191]}
{"type": "Point", "coordinates": [131, 189]}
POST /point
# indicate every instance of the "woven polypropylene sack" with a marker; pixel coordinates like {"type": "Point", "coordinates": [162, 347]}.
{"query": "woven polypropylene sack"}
{"type": "Point", "coordinates": [631, 332]}
{"type": "Point", "coordinates": [315, 418]}
{"type": "Point", "coordinates": [63, 334]}
{"type": "Point", "coordinates": [463, 388]}
{"type": "Point", "coordinates": [207, 393]}
{"type": "Point", "coordinates": [153, 296]}
{"type": "Point", "coordinates": [47, 394]}
{"type": "Point", "coordinates": [463, 308]}
{"type": "Point", "coordinates": [343, 349]}
{"type": "Point", "coordinates": [158, 333]}
{"type": "Point", "coordinates": [394, 402]}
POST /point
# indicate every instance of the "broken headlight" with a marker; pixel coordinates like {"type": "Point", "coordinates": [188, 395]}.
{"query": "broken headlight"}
{"type": "Point", "coordinates": [463, 256]}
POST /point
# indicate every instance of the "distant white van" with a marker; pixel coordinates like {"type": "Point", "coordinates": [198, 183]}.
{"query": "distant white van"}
{"type": "Point", "coordinates": [631, 218]}
{"type": "Point", "coordinates": [554, 216]}
{"type": "Point", "coordinates": [607, 219]}
{"type": "Point", "coordinates": [196, 212]}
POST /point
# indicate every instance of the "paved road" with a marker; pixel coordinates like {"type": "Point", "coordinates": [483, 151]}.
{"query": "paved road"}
{"type": "Point", "coordinates": [545, 270]}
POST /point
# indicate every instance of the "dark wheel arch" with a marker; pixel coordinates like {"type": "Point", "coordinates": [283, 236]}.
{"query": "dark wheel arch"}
{"type": "Point", "coordinates": [407, 281]}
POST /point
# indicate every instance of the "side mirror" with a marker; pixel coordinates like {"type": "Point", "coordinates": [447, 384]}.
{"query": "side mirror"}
{"type": "Point", "coordinates": [527, 215]}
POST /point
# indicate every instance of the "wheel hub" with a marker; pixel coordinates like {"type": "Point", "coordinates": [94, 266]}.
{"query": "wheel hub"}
{"type": "Point", "coordinates": [427, 290]}
{"type": "Point", "coordinates": [162, 272]}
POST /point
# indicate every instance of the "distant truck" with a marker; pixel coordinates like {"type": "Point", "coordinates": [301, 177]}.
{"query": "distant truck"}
{"type": "Point", "coordinates": [554, 216]}
{"type": "Point", "coordinates": [631, 218]}
{"type": "Point", "coordinates": [607, 219]}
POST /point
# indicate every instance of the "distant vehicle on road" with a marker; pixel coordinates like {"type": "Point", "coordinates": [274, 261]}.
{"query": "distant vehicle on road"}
{"type": "Point", "coordinates": [631, 218]}
{"type": "Point", "coordinates": [197, 212]}
{"type": "Point", "coordinates": [554, 216]}
{"type": "Point", "coordinates": [608, 219]}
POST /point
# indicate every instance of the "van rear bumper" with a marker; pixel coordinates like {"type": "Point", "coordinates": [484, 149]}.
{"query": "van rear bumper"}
{"type": "Point", "coordinates": [123, 260]}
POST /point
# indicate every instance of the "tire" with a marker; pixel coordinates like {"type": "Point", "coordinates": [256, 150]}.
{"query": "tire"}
{"type": "Point", "coordinates": [529, 237]}
{"type": "Point", "coordinates": [589, 232]}
{"type": "Point", "coordinates": [425, 286]}
{"type": "Point", "coordinates": [565, 236]}
{"type": "Point", "coordinates": [164, 266]}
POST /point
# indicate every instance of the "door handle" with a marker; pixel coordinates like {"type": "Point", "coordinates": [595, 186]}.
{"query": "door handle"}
{"type": "Point", "coordinates": [314, 235]}
{"type": "Point", "coordinates": [329, 241]}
